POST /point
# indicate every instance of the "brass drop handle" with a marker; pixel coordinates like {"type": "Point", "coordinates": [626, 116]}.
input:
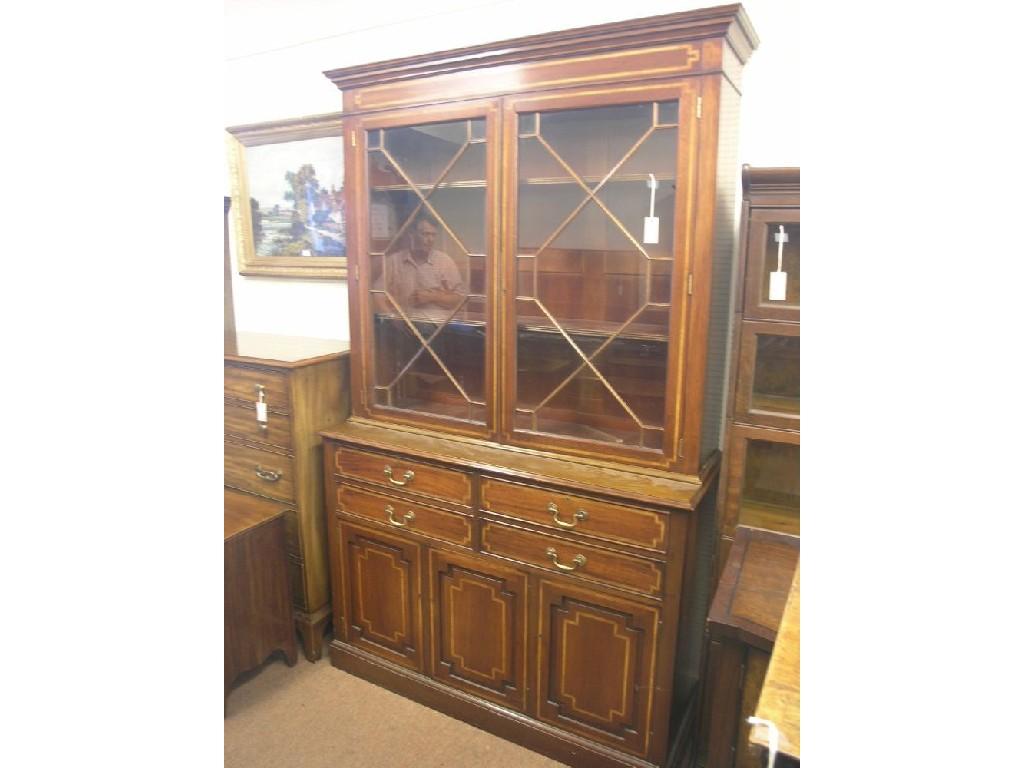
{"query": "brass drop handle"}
{"type": "Point", "coordinates": [267, 474]}
{"type": "Point", "coordinates": [408, 517]}
{"type": "Point", "coordinates": [580, 515]}
{"type": "Point", "coordinates": [578, 562]}
{"type": "Point", "coordinates": [406, 477]}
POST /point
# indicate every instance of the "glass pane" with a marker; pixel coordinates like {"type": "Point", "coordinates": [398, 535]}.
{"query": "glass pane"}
{"type": "Point", "coordinates": [528, 124]}
{"type": "Point", "coordinates": [776, 385]}
{"type": "Point", "coordinates": [790, 266]}
{"type": "Point", "coordinates": [771, 487]}
{"type": "Point", "coordinates": [668, 112]}
{"type": "Point", "coordinates": [592, 343]}
{"type": "Point", "coordinates": [429, 265]}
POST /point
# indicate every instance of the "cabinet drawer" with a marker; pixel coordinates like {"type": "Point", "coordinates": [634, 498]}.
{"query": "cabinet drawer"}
{"type": "Point", "coordinates": [404, 475]}
{"type": "Point", "coordinates": [586, 562]}
{"type": "Point", "coordinates": [262, 472]}
{"type": "Point", "coordinates": [240, 383]}
{"type": "Point", "coordinates": [613, 522]}
{"type": "Point", "coordinates": [398, 513]}
{"type": "Point", "coordinates": [240, 420]}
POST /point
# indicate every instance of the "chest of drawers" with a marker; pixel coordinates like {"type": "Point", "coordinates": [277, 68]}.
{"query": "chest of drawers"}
{"type": "Point", "coordinates": [550, 602]}
{"type": "Point", "coordinates": [278, 392]}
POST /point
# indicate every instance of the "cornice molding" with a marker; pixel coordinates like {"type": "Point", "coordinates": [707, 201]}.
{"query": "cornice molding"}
{"type": "Point", "coordinates": [770, 180]}
{"type": "Point", "coordinates": [727, 21]}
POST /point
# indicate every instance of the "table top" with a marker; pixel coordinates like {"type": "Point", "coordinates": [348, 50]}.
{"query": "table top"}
{"type": "Point", "coordinates": [275, 349]}
{"type": "Point", "coordinates": [780, 696]}
{"type": "Point", "coordinates": [752, 591]}
{"type": "Point", "coordinates": [243, 511]}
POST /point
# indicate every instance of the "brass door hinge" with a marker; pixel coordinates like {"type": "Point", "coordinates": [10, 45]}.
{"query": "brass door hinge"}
{"type": "Point", "coordinates": [700, 107]}
{"type": "Point", "coordinates": [689, 284]}
{"type": "Point", "coordinates": [679, 452]}
{"type": "Point", "coordinates": [352, 135]}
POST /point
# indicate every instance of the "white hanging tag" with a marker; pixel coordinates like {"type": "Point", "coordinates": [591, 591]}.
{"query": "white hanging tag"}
{"type": "Point", "coordinates": [777, 279]}
{"type": "Point", "coordinates": [261, 405]}
{"type": "Point", "coordinates": [651, 224]}
{"type": "Point", "coordinates": [773, 738]}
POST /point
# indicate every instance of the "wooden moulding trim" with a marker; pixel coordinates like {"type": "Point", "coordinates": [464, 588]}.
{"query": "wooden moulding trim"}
{"type": "Point", "coordinates": [291, 365]}
{"type": "Point", "coordinates": [729, 21]}
{"type": "Point", "coordinates": [767, 180]}
{"type": "Point", "coordinates": [462, 455]}
{"type": "Point", "coordinates": [273, 131]}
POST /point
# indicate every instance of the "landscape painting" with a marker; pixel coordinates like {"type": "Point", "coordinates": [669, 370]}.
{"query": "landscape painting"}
{"type": "Point", "coordinates": [288, 197]}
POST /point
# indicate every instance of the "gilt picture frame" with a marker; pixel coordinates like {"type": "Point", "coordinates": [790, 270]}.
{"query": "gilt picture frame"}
{"type": "Point", "coordinates": [287, 182]}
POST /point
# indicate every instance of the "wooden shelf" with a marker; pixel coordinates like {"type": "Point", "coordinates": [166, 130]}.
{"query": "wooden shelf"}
{"type": "Point", "coordinates": [532, 181]}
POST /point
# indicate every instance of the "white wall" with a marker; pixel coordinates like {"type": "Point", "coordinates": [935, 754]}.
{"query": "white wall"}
{"type": "Point", "coordinates": [276, 52]}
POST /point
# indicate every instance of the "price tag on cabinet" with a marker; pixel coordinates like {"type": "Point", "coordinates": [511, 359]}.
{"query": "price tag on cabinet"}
{"type": "Point", "coordinates": [777, 279]}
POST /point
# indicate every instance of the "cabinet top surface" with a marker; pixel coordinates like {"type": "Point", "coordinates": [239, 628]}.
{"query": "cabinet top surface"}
{"type": "Point", "coordinates": [755, 582]}
{"type": "Point", "coordinates": [780, 696]}
{"type": "Point", "coordinates": [512, 463]}
{"type": "Point", "coordinates": [290, 351]}
{"type": "Point", "coordinates": [243, 511]}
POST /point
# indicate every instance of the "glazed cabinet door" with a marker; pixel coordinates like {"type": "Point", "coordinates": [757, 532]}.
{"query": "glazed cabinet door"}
{"type": "Point", "coordinates": [598, 185]}
{"type": "Point", "coordinates": [596, 665]}
{"type": "Point", "coordinates": [426, 201]}
{"type": "Point", "coordinates": [772, 285]}
{"type": "Point", "coordinates": [478, 627]}
{"type": "Point", "coordinates": [381, 584]}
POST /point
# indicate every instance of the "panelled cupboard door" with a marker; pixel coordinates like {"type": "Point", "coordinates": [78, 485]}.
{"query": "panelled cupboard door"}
{"type": "Point", "coordinates": [598, 186]}
{"type": "Point", "coordinates": [382, 594]}
{"type": "Point", "coordinates": [427, 197]}
{"type": "Point", "coordinates": [596, 665]}
{"type": "Point", "coordinates": [478, 627]}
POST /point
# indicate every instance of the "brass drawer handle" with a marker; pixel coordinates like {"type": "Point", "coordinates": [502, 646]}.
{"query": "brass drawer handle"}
{"type": "Point", "coordinates": [408, 517]}
{"type": "Point", "coordinates": [267, 474]}
{"type": "Point", "coordinates": [406, 478]}
{"type": "Point", "coordinates": [578, 562]}
{"type": "Point", "coordinates": [580, 516]}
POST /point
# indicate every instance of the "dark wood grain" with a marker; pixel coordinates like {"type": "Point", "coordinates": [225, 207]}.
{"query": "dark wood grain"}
{"type": "Point", "coordinates": [411, 517]}
{"type": "Point", "coordinates": [442, 571]}
{"type": "Point", "coordinates": [629, 572]}
{"type": "Point", "coordinates": [576, 514]}
{"type": "Point", "coordinates": [396, 473]}
{"type": "Point", "coordinates": [742, 625]}
{"type": "Point", "coordinates": [305, 386]}
{"type": "Point", "coordinates": [257, 603]}
{"type": "Point", "coordinates": [751, 594]}
{"type": "Point", "coordinates": [478, 627]}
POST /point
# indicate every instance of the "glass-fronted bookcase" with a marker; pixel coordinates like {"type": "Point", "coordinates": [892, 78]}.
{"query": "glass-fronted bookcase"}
{"type": "Point", "coordinates": [528, 269]}
{"type": "Point", "coordinates": [542, 235]}
{"type": "Point", "coordinates": [761, 466]}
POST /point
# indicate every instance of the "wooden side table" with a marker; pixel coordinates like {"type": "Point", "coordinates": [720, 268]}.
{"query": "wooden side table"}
{"type": "Point", "coordinates": [742, 624]}
{"type": "Point", "coordinates": [257, 598]}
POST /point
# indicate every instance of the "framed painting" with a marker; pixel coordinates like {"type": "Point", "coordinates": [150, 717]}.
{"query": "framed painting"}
{"type": "Point", "coordinates": [287, 189]}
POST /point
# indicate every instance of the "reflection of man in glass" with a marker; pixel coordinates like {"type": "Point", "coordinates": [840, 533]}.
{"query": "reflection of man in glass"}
{"type": "Point", "coordinates": [423, 279]}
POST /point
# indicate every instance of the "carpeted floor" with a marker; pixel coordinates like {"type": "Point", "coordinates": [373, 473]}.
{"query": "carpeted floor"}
{"type": "Point", "coordinates": [316, 716]}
